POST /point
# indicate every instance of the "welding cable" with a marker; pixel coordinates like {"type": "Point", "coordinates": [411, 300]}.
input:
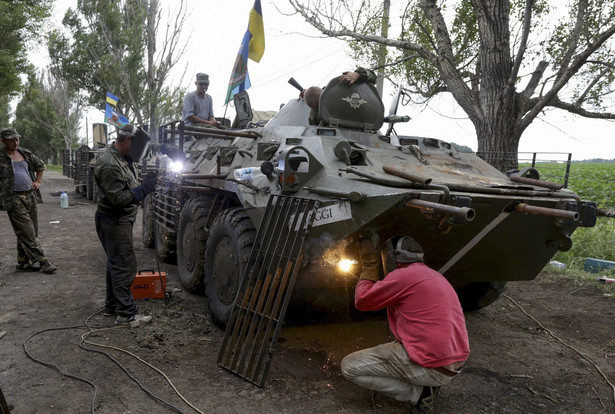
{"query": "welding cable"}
{"type": "Point", "coordinates": [585, 357]}
{"type": "Point", "coordinates": [52, 366]}
{"type": "Point", "coordinates": [113, 327]}
{"type": "Point", "coordinates": [119, 364]}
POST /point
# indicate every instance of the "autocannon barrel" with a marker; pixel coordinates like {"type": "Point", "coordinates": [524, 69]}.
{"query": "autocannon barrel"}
{"type": "Point", "coordinates": [463, 214]}
{"type": "Point", "coordinates": [544, 211]}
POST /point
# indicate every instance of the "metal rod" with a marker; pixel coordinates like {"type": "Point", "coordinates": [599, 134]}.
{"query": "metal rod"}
{"type": "Point", "coordinates": [350, 195]}
{"type": "Point", "coordinates": [212, 131]}
{"type": "Point", "coordinates": [464, 214]}
{"type": "Point", "coordinates": [202, 176]}
{"type": "Point", "coordinates": [605, 212]}
{"type": "Point", "coordinates": [537, 183]}
{"type": "Point", "coordinates": [195, 188]}
{"type": "Point", "coordinates": [406, 175]}
{"type": "Point", "coordinates": [544, 211]}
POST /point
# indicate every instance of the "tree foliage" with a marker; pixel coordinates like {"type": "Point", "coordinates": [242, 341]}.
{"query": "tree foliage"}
{"type": "Point", "coordinates": [114, 46]}
{"type": "Point", "coordinates": [20, 24]}
{"type": "Point", "coordinates": [503, 61]}
{"type": "Point", "coordinates": [34, 116]}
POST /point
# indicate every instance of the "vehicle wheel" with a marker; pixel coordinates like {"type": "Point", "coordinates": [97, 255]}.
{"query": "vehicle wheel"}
{"type": "Point", "coordinates": [164, 240]}
{"type": "Point", "coordinates": [191, 238]}
{"type": "Point", "coordinates": [227, 252]}
{"type": "Point", "coordinates": [478, 295]}
{"type": "Point", "coordinates": [148, 220]}
{"type": "Point", "coordinates": [89, 183]}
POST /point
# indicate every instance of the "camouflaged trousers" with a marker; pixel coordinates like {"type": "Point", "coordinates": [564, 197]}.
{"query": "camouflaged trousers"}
{"type": "Point", "coordinates": [115, 235]}
{"type": "Point", "coordinates": [24, 219]}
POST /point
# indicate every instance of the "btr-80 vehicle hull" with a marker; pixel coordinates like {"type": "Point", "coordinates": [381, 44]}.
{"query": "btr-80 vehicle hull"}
{"type": "Point", "coordinates": [479, 227]}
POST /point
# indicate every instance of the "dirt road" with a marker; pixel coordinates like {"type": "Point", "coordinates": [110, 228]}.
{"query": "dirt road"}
{"type": "Point", "coordinates": [515, 366]}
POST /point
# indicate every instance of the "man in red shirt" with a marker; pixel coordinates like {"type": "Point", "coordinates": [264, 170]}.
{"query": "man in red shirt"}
{"type": "Point", "coordinates": [425, 316]}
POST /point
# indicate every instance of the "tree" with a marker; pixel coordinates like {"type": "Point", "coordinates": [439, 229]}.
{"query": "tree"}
{"type": "Point", "coordinates": [114, 47]}
{"type": "Point", "coordinates": [503, 61]}
{"type": "Point", "coordinates": [35, 106]}
{"type": "Point", "coordinates": [20, 23]}
{"type": "Point", "coordinates": [47, 116]}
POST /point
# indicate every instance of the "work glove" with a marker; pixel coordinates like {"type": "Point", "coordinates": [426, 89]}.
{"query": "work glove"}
{"type": "Point", "coordinates": [369, 252]}
{"type": "Point", "coordinates": [147, 186]}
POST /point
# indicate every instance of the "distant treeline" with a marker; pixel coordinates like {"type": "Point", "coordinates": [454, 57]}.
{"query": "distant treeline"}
{"type": "Point", "coordinates": [596, 160]}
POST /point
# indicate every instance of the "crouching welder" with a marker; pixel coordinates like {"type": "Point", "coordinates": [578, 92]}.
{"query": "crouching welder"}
{"type": "Point", "coordinates": [425, 316]}
{"type": "Point", "coordinates": [118, 201]}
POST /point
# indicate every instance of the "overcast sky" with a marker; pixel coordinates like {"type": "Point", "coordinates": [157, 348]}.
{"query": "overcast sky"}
{"type": "Point", "coordinates": [294, 48]}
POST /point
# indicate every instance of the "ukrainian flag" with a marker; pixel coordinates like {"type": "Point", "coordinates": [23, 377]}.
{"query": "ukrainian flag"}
{"type": "Point", "coordinates": [257, 32]}
{"type": "Point", "coordinates": [112, 99]}
{"type": "Point", "coordinates": [252, 47]}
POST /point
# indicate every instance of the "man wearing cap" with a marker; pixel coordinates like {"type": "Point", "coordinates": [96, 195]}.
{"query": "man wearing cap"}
{"type": "Point", "coordinates": [198, 105]}
{"type": "Point", "coordinates": [21, 174]}
{"type": "Point", "coordinates": [118, 201]}
{"type": "Point", "coordinates": [425, 317]}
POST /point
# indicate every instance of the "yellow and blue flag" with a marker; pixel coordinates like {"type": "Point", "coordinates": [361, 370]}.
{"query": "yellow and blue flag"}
{"type": "Point", "coordinates": [113, 117]}
{"type": "Point", "coordinates": [112, 99]}
{"type": "Point", "coordinates": [252, 47]}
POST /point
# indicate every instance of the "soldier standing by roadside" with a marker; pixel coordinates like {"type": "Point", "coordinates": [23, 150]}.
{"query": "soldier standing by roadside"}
{"type": "Point", "coordinates": [118, 201]}
{"type": "Point", "coordinates": [21, 173]}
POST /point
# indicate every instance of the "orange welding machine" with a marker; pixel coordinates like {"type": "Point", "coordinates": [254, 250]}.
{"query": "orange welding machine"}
{"type": "Point", "coordinates": [149, 285]}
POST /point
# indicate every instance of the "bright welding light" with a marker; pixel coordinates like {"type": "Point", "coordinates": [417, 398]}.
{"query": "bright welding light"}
{"type": "Point", "coordinates": [346, 264]}
{"type": "Point", "coordinates": [176, 166]}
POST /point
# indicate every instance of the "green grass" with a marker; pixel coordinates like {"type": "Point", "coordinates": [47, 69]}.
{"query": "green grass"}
{"type": "Point", "coordinates": [591, 181]}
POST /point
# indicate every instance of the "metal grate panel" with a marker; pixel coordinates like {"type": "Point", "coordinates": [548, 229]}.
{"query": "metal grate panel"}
{"type": "Point", "coordinates": [266, 288]}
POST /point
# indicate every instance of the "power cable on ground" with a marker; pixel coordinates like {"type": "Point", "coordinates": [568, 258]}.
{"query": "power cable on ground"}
{"type": "Point", "coordinates": [585, 357]}
{"type": "Point", "coordinates": [83, 340]}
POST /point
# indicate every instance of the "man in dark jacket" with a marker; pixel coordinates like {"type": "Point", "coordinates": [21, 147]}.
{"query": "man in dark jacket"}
{"type": "Point", "coordinates": [118, 200]}
{"type": "Point", "coordinates": [426, 319]}
{"type": "Point", "coordinates": [21, 174]}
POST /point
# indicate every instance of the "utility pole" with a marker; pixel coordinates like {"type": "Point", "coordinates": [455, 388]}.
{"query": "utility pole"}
{"type": "Point", "coordinates": [382, 50]}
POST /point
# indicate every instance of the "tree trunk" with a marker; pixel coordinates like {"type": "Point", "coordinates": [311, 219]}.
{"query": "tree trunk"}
{"type": "Point", "coordinates": [498, 144]}
{"type": "Point", "coordinates": [498, 141]}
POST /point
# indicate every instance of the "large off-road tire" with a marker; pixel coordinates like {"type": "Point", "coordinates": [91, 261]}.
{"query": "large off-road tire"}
{"type": "Point", "coordinates": [478, 295]}
{"type": "Point", "coordinates": [89, 183]}
{"type": "Point", "coordinates": [164, 240]}
{"type": "Point", "coordinates": [191, 238]}
{"type": "Point", "coordinates": [228, 248]}
{"type": "Point", "coordinates": [147, 231]}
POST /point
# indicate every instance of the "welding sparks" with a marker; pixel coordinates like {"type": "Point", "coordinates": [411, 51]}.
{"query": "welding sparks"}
{"type": "Point", "coordinates": [176, 166]}
{"type": "Point", "coordinates": [346, 264]}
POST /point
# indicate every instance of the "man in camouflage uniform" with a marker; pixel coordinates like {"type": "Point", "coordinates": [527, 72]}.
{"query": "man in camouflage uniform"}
{"type": "Point", "coordinates": [312, 94]}
{"type": "Point", "coordinates": [21, 173]}
{"type": "Point", "coordinates": [118, 201]}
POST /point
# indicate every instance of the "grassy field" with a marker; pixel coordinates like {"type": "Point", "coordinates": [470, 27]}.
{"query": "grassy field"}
{"type": "Point", "coordinates": [593, 182]}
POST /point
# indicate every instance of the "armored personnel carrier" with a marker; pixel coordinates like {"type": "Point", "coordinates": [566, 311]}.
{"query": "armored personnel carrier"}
{"type": "Point", "coordinates": [479, 227]}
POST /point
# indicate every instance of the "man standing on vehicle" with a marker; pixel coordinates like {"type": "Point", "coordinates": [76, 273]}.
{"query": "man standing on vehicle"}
{"type": "Point", "coordinates": [425, 316]}
{"type": "Point", "coordinates": [21, 174]}
{"type": "Point", "coordinates": [198, 105]}
{"type": "Point", "coordinates": [118, 198]}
